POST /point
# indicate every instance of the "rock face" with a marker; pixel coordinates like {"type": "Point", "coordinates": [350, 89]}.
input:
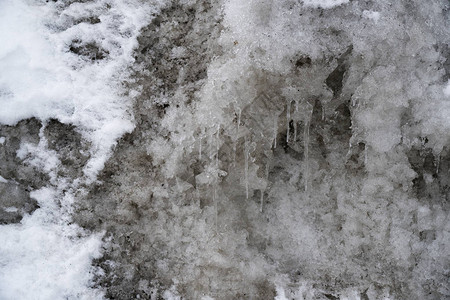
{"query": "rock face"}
{"type": "Point", "coordinates": [281, 150]}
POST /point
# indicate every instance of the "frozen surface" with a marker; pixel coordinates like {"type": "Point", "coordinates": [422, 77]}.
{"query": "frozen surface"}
{"type": "Point", "coordinates": [44, 260]}
{"type": "Point", "coordinates": [225, 149]}
{"type": "Point", "coordinates": [67, 61]}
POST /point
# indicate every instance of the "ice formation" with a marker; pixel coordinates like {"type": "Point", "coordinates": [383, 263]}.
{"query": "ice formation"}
{"type": "Point", "coordinates": [226, 149]}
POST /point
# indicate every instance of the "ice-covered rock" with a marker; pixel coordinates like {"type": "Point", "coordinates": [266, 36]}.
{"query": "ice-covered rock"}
{"type": "Point", "coordinates": [232, 149]}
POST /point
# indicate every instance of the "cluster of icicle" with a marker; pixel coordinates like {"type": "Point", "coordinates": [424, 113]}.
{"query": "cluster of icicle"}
{"type": "Point", "coordinates": [249, 140]}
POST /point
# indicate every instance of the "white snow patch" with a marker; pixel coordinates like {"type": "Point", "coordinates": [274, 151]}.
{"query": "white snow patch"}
{"type": "Point", "coordinates": [324, 3]}
{"type": "Point", "coordinates": [3, 180]}
{"type": "Point", "coordinates": [41, 77]}
{"type": "Point", "coordinates": [280, 293]}
{"type": "Point", "coordinates": [11, 209]}
{"type": "Point", "coordinates": [447, 89]}
{"type": "Point", "coordinates": [44, 257]}
{"type": "Point", "coordinates": [372, 15]}
{"type": "Point", "coordinates": [2, 140]}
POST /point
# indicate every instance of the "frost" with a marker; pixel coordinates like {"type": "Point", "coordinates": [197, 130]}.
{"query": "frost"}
{"type": "Point", "coordinates": [227, 149]}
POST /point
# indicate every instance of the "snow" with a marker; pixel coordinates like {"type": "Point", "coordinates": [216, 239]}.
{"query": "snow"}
{"type": "Point", "coordinates": [447, 89]}
{"type": "Point", "coordinates": [42, 76]}
{"type": "Point", "coordinates": [337, 202]}
{"type": "Point", "coordinates": [40, 260]}
{"type": "Point", "coordinates": [324, 3]}
{"type": "Point", "coordinates": [373, 15]}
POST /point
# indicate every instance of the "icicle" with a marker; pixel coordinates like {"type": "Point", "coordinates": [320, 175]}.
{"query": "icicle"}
{"type": "Point", "coordinates": [246, 155]}
{"type": "Point", "coordinates": [295, 130]}
{"type": "Point", "coordinates": [288, 119]}
{"type": "Point", "coordinates": [262, 200]}
{"type": "Point", "coordinates": [211, 146]}
{"type": "Point", "coordinates": [217, 146]}
{"type": "Point", "coordinates": [215, 205]}
{"type": "Point", "coordinates": [295, 120]}
{"type": "Point", "coordinates": [275, 131]}
{"type": "Point", "coordinates": [237, 135]}
{"type": "Point", "coordinates": [306, 146]}
{"type": "Point", "coordinates": [198, 196]}
{"type": "Point", "coordinates": [438, 162]}
{"type": "Point", "coordinates": [366, 150]}
{"type": "Point", "coordinates": [202, 133]}
{"type": "Point", "coordinates": [323, 113]}
{"type": "Point", "coordinates": [234, 152]}
{"type": "Point", "coordinates": [238, 121]}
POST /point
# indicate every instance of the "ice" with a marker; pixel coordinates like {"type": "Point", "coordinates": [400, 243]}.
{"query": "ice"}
{"type": "Point", "coordinates": [200, 148]}
{"type": "Point", "coordinates": [288, 119]}
{"type": "Point", "coordinates": [275, 131]}
{"type": "Point", "coordinates": [261, 200]}
{"type": "Point", "coordinates": [306, 147]}
{"type": "Point", "coordinates": [368, 87]}
{"type": "Point", "coordinates": [246, 175]}
{"type": "Point", "coordinates": [350, 205]}
{"type": "Point", "coordinates": [239, 112]}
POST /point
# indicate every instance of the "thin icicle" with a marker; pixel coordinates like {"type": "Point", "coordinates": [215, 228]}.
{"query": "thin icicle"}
{"type": "Point", "coordinates": [234, 152]}
{"type": "Point", "coordinates": [267, 180]}
{"type": "Point", "coordinates": [262, 200]}
{"type": "Point", "coordinates": [202, 133]}
{"type": "Point", "coordinates": [200, 149]}
{"type": "Point", "coordinates": [238, 121]}
{"type": "Point", "coordinates": [217, 146]}
{"type": "Point", "coordinates": [211, 146]}
{"type": "Point", "coordinates": [237, 135]}
{"type": "Point", "coordinates": [275, 131]}
{"type": "Point", "coordinates": [366, 150]}
{"type": "Point", "coordinates": [323, 113]}
{"type": "Point", "coordinates": [295, 120]}
{"type": "Point", "coordinates": [438, 162]}
{"type": "Point", "coordinates": [295, 130]}
{"type": "Point", "coordinates": [288, 119]}
{"type": "Point", "coordinates": [215, 205]}
{"type": "Point", "coordinates": [306, 146]}
{"type": "Point", "coordinates": [246, 155]}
